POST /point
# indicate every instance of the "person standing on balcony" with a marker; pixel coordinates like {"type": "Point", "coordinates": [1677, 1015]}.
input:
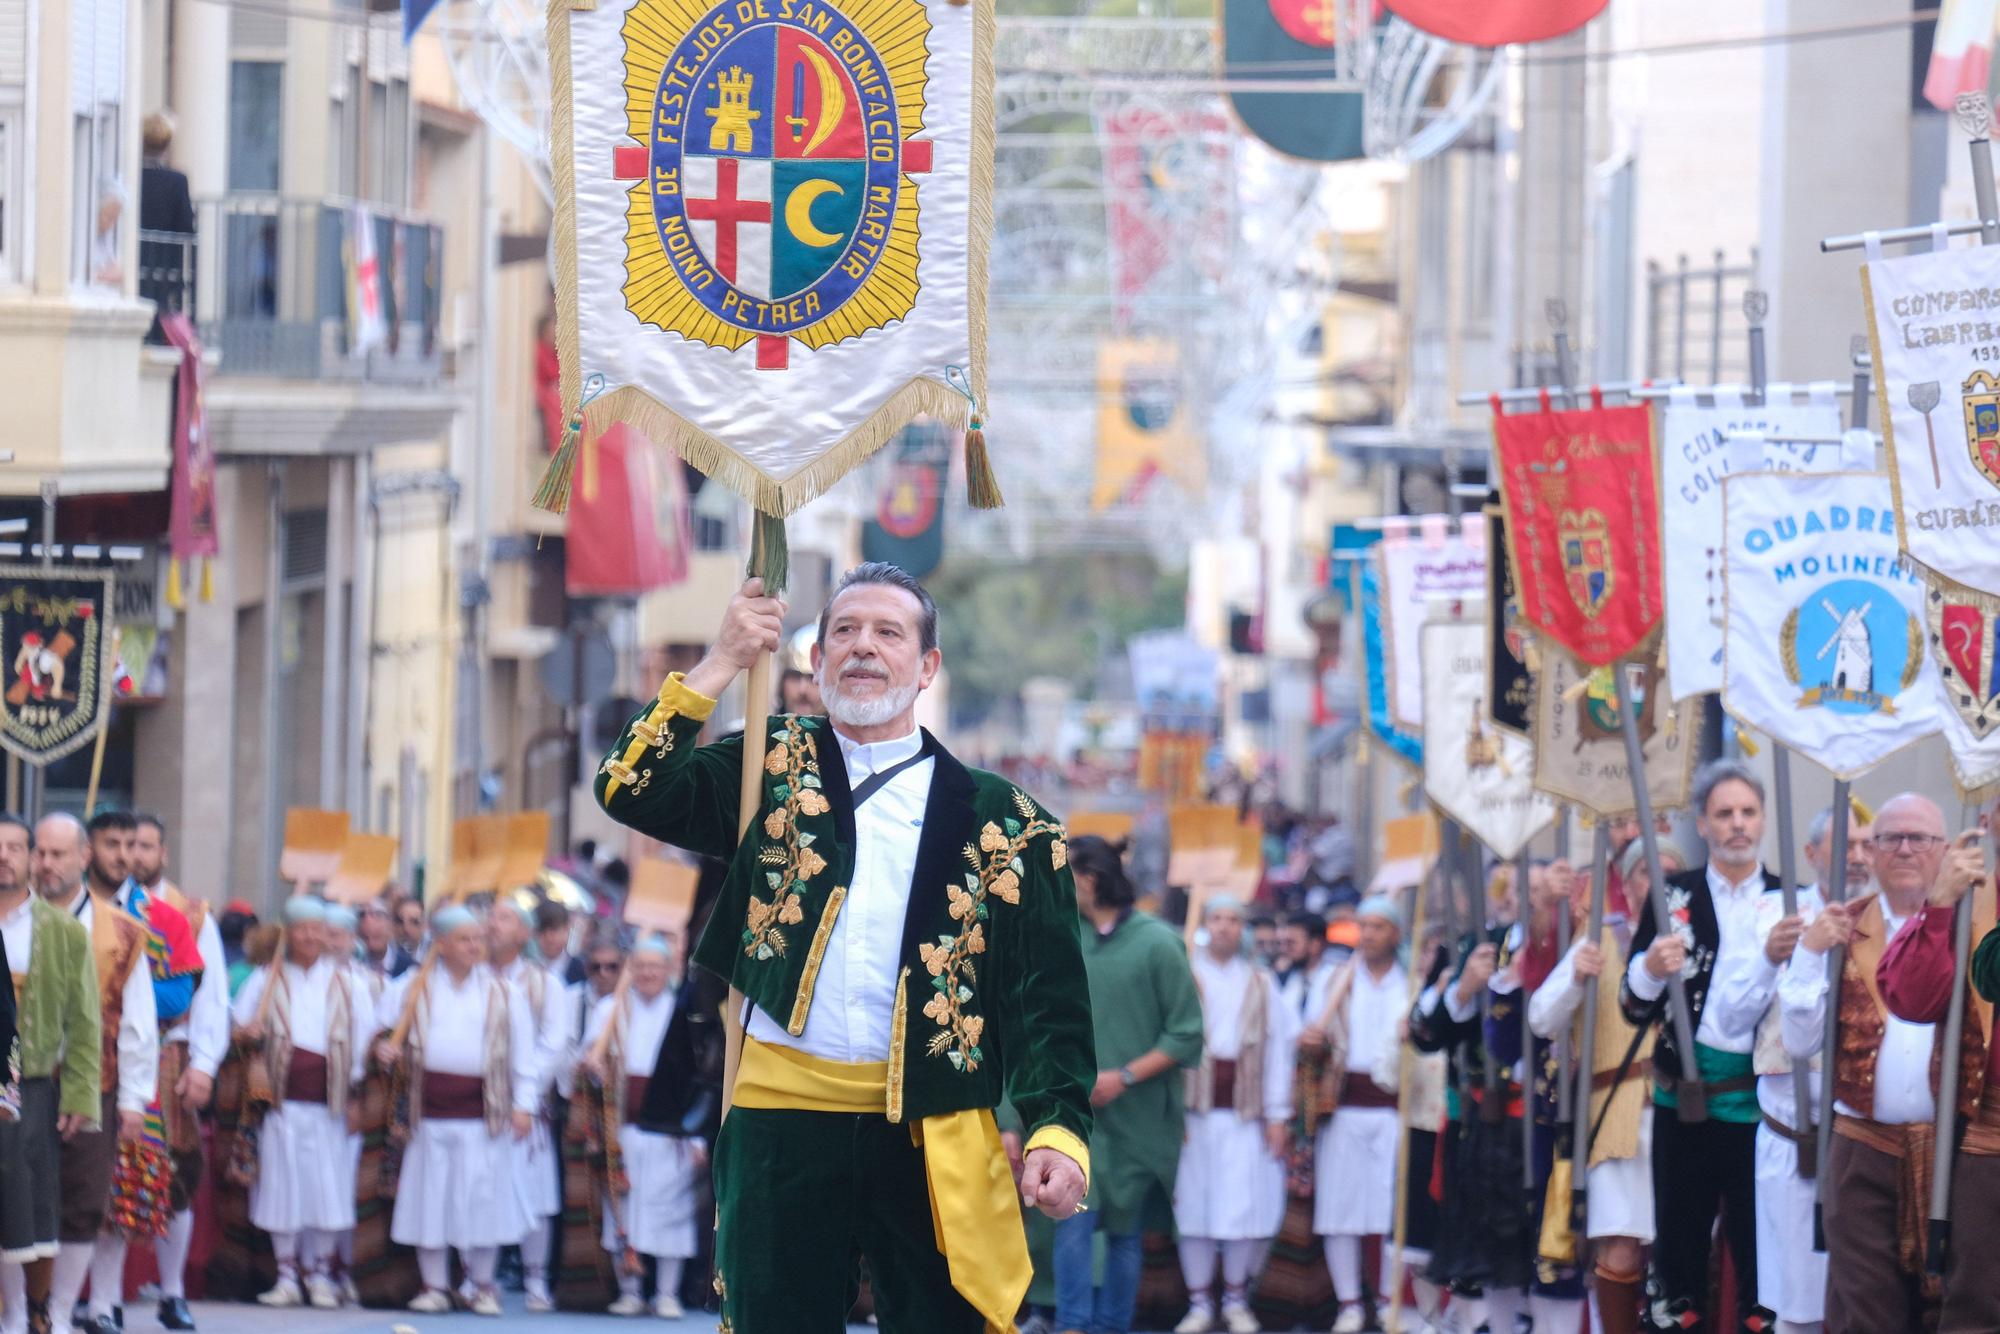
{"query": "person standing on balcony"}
{"type": "Point", "coordinates": [166, 260]}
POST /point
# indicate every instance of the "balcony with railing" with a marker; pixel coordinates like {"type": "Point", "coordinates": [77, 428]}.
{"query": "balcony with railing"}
{"type": "Point", "coordinates": [295, 288]}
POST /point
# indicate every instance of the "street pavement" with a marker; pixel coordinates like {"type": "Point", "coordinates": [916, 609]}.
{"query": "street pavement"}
{"type": "Point", "coordinates": [248, 1318]}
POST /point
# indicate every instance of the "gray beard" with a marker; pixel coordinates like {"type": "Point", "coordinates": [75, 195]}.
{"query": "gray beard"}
{"type": "Point", "coordinates": [852, 712]}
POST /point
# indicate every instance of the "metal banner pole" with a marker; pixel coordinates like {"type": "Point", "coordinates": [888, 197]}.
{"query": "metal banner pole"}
{"type": "Point", "coordinates": [1493, 1102]}
{"type": "Point", "coordinates": [1691, 1098]}
{"type": "Point", "coordinates": [1836, 965]}
{"type": "Point", "coordinates": [1565, 1108]}
{"type": "Point", "coordinates": [1523, 870]}
{"type": "Point", "coordinates": [1579, 1177]}
{"type": "Point", "coordinates": [1939, 1238]}
{"type": "Point", "coordinates": [1788, 882]}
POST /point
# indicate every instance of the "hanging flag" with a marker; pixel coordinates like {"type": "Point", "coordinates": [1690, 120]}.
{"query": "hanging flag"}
{"type": "Point", "coordinates": [55, 671]}
{"type": "Point", "coordinates": [1824, 632]}
{"type": "Point", "coordinates": [1695, 453]}
{"type": "Point", "coordinates": [1424, 562]}
{"type": "Point", "coordinates": [1961, 51]}
{"type": "Point", "coordinates": [1496, 22]}
{"type": "Point", "coordinates": [192, 530]}
{"type": "Point", "coordinates": [1403, 742]}
{"type": "Point", "coordinates": [414, 14]}
{"type": "Point", "coordinates": [1477, 774]}
{"type": "Point", "coordinates": [1580, 739]}
{"type": "Point", "coordinates": [367, 326]}
{"type": "Point", "coordinates": [1145, 431]}
{"type": "Point", "coordinates": [771, 235]}
{"type": "Point", "coordinates": [908, 527]}
{"type": "Point", "coordinates": [1933, 320]}
{"type": "Point", "coordinates": [1582, 524]}
{"type": "Point", "coordinates": [1963, 627]}
{"type": "Point", "coordinates": [629, 530]}
{"type": "Point", "coordinates": [1166, 198]}
{"type": "Point", "coordinates": [1260, 45]}
{"type": "Point", "coordinates": [1510, 649]}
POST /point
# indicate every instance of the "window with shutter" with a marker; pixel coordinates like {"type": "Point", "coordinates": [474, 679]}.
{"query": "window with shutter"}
{"type": "Point", "coordinates": [14, 20]}
{"type": "Point", "coordinates": [101, 203]}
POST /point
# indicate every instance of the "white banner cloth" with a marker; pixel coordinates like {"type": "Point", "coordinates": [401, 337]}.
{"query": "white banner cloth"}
{"type": "Point", "coordinates": [1479, 775]}
{"type": "Point", "coordinates": [1425, 559]}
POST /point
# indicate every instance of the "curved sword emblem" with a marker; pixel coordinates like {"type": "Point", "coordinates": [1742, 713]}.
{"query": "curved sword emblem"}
{"type": "Point", "coordinates": [832, 99]}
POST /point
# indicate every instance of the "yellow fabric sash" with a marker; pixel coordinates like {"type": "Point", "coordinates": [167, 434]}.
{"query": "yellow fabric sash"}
{"type": "Point", "coordinates": [974, 1210]}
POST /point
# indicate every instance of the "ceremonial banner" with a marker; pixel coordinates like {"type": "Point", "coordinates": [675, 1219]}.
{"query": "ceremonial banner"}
{"type": "Point", "coordinates": [908, 527]}
{"type": "Point", "coordinates": [630, 530]}
{"type": "Point", "coordinates": [55, 677]}
{"type": "Point", "coordinates": [1262, 43]}
{"type": "Point", "coordinates": [1695, 455]}
{"type": "Point", "coordinates": [1477, 774]}
{"type": "Point", "coordinates": [191, 524]}
{"type": "Point", "coordinates": [1510, 649]}
{"type": "Point", "coordinates": [1167, 197]}
{"type": "Point", "coordinates": [1424, 560]}
{"type": "Point", "coordinates": [1582, 524]}
{"type": "Point", "coordinates": [1407, 744]}
{"type": "Point", "coordinates": [771, 226]}
{"type": "Point", "coordinates": [1824, 637]}
{"type": "Point", "coordinates": [1496, 22]}
{"type": "Point", "coordinates": [1963, 628]}
{"type": "Point", "coordinates": [1933, 321]}
{"type": "Point", "coordinates": [1580, 739]}
{"type": "Point", "coordinates": [1144, 428]}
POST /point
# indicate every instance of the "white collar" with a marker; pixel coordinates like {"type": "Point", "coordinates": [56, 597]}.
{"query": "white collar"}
{"type": "Point", "coordinates": [1720, 883]}
{"type": "Point", "coordinates": [875, 756]}
{"type": "Point", "coordinates": [27, 906]}
{"type": "Point", "coordinates": [76, 906]}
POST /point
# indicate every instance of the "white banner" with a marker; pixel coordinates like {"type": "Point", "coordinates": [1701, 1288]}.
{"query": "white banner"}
{"type": "Point", "coordinates": [1434, 557]}
{"type": "Point", "coordinates": [771, 226]}
{"type": "Point", "coordinates": [1695, 456]}
{"type": "Point", "coordinates": [1934, 326]}
{"type": "Point", "coordinates": [1580, 742]}
{"type": "Point", "coordinates": [1824, 642]}
{"type": "Point", "coordinates": [1963, 627]}
{"type": "Point", "coordinates": [1478, 774]}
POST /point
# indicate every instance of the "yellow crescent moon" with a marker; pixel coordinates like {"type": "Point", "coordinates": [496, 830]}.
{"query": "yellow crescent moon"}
{"type": "Point", "coordinates": [832, 99]}
{"type": "Point", "coordinates": [798, 214]}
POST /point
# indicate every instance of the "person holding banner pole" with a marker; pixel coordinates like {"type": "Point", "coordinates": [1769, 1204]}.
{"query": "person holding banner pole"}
{"type": "Point", "coordinates": [1702, 933]}
{"type": "Point", "coordinates": [1875, 1181]}
{"type": "Point", "coordinates": [1920, 974]}
{"type": "Point", "coordinates": [1791, 1275]}
{"type": "Point", "coordinates": [1614, 1129]}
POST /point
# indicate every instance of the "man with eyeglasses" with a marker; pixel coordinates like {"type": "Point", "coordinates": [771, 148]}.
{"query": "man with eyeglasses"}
{"type": "Point", "coordinates": [410, 927]}
{"type": "Point", "coordinates": [1885, 1108]}
{"type": "Point", "coordinates": [1916, 978]}
{"type": "Point", "coordinates": [1791, 1275]}
{"type": "Point", "coordinates": [381, 953]}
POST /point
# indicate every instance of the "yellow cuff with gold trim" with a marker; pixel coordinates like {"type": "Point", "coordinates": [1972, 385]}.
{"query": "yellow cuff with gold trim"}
{"type": "Point", "coordinates": [1064, 1143]}
{"type": "Point", "coordinates": [682, 702]}
{"type": "Point", "coordinates": [675, 701]}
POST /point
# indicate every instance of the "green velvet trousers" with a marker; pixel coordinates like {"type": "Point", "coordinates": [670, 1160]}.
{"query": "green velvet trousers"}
{"type": "Point", "coordinates": [804, 1198]}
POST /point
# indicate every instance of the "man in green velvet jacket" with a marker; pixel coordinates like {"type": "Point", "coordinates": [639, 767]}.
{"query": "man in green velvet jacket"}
{"type": "Point", "coordinates": [903, 930]}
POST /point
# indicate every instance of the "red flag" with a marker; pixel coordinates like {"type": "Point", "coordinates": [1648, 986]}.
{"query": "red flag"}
{"type": "Point", "coordinates": [1496, 22]}
{"type": "Point", "coordinates": [191, 529]}
{"type": "Point", "coordinates": [1583, 520]}
{"type": "Point", "coordinates": [629, 529]}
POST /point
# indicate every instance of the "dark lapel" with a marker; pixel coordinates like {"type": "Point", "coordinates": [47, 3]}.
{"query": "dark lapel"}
{"type": "Point", "coordinates": [833, 778]}
{"type": "Point", "coordinates": [949, 824]}
{"type": "Point", "coordinates": [1701, 906]}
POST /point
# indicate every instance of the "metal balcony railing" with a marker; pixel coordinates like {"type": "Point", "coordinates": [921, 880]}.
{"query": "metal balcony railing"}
{"type": "Point", "coordinates": [292, 288]}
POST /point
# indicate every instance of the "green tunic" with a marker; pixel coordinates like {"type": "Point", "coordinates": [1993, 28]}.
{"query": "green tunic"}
{"type": "Point", "coordinates": [1145, 998]}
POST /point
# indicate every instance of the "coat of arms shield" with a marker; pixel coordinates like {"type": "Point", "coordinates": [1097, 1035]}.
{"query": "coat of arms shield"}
{"type": "Point", "coordinates": [1965, 636]}
{"type": "Point", "coordinates": [54, 673]}
{"type": "Point", "coordinates": [1981, 394]}
{"type": "Point", "coordinates": [1585, 541]}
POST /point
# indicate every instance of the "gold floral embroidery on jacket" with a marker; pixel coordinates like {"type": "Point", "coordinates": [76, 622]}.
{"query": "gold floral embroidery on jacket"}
{"type": "Point", "coordinates": [788, 859]}
{"type": "Point", "coordinates": [998, 868]}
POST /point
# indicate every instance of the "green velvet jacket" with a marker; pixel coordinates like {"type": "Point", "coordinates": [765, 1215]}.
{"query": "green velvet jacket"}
{"type": "Point", "coordinates": [991, 998]}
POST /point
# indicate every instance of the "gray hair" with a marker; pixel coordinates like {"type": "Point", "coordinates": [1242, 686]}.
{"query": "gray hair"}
{"type": "Point", "coordinates": [1633, 860]}
{"type": "Point", "coordinates": [892, 576]}
{"type": "Point", "coordinates": [1819, 826]}
{"type": "Point", "coordinates": [1717, 772]}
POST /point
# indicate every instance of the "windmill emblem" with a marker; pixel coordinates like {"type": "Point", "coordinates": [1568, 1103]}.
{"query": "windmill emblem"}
{"type": "Point", "coordinates": [1853, 654]}
{"type": "Point", "coordinates": [1853, 632]}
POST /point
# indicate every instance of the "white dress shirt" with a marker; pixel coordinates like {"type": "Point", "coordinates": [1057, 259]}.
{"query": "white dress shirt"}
{"type": "Point", "coordinates": [138, 1023]}
{"type": "Point", "coordinates": [17, 928]}
{"type": "Point", "coordinates": [1225, 987]}
{"type": "Point", "coordinates": [550, 1019]}
{"type": "Point", "coordinates": [1776, 1091]}
{"type": "Point", "coordinates": [1742, 981]}
{"type": "Point", "coordinates": [645, 1030]}
{"type": "Point", "coordinates": [854, 999]}
{"type": "Point", "coordinates": [205, 1026]}
{"type": "Point", "coordinates": [1902, 1062]}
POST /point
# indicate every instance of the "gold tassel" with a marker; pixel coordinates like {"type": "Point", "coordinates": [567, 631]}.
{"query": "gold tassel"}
{"type": "Point", "coordinates": [175, 599]}
{"type": "Point", "coordinates": [1748, 742]}
{"type": "Point", "coordinates": [1862, 810]}
{"type": "Point", "coordinates": [553, 492]}
{"type": "Point", "coordinates": [982, 488]}
{"type": "Point", "coordinates": [208, 578]}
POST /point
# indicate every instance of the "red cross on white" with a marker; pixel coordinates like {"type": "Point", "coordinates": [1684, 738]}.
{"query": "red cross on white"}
{"type": "Point", "coordinates": [728, 202]}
